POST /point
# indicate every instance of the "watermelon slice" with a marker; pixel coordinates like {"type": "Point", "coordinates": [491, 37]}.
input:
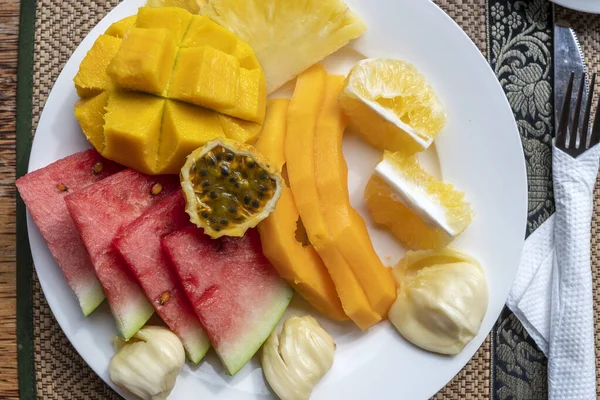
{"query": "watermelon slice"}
{"type": "Point", "coordinates": [43, 192]}
{"type": "Point", "coordinates": [235, 291]}
{"type": "Point", "coordinates": [139, 244]}
{"type": "Point", "coordinates": [100, 211]}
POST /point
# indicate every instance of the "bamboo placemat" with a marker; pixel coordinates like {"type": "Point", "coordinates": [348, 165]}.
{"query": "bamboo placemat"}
{"type": "Point", "coordinates": [508, 365]}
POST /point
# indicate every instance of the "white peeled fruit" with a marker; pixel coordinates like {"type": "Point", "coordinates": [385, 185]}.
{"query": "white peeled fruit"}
{"type": "Point", "coordinates": [298, 358]}
{"type": "Point", "coordinates": [148, 364]}
{"type": "Point", "coordinates": [442, 299]}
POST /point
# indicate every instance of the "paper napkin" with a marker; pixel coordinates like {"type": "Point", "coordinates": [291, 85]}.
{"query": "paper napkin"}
{"type": "Point", "coordinates": [552, 294]}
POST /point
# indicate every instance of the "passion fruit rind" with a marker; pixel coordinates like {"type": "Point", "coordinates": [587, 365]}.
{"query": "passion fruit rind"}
{"type": "Point", "coordinates": [229, 187]}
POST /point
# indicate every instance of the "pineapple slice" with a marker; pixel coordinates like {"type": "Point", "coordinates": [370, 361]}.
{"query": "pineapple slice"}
{"type": "Point", "coordinates": [287, 36]}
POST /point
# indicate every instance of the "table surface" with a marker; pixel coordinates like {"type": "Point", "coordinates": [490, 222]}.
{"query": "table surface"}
{"type": "Point", "coordinates": [9, 34]}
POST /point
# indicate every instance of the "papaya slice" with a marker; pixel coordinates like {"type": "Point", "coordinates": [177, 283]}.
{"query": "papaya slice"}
{"type": "Point", "coordinates": [299, 265]}
{"type": "Point", "coordinates": [299, 153]}
{"type": "Point", "coordinates": [346, 226]}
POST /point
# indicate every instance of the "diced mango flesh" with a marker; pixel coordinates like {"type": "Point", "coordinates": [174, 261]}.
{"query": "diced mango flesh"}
{"type": "Point", "coordinates": [90, 114]}
{"type": "Point", "coordinates": [174, 19]}
{"type": "Point", "coordinates": [185, 128]}
{"type": "Point", "coordinates": [215, 73]}
{"type": "Point", "coordinates": [120, 28]}
{"type": "Point", "coordinates": [132, 128]}
{"type": "Point", "coordinates": [144, 61]}
{"type": "Point", "coordinates": [92, 78]}
{"type": "Point", "coordinates": [303, 114]}
{"type": "Point", "coordinates": [239, 130]}
{"type": "Point", "coordinates": [251, 96]}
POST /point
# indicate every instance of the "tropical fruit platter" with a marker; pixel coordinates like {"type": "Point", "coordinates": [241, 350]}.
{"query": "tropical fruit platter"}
{"type": "Point", "coordinates": [215, 192]}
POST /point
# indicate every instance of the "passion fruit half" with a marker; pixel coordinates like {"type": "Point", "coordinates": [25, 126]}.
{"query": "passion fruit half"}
{"type": "Point", "coordinates": [229, 187]}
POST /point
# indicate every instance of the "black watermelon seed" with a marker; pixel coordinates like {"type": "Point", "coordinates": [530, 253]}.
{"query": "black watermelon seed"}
{"type": "Point", "coordinates": [247, 199]}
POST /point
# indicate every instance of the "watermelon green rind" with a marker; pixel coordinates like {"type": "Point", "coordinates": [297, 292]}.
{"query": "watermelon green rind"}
{"type": "Point", "coordinates": [139, 245]}
{"type": "Point", "coordinates": [235, 357]}
{"type": "Point", "coordinates": [236, 293]}
{"type": "Point", "coordinates": [45, 201]}
{"type": "Point", "coordinates": [100, 211]}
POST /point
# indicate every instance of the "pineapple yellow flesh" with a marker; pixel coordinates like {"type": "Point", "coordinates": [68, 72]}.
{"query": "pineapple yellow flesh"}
{"type": "Point", "coordinates": [287, 36]}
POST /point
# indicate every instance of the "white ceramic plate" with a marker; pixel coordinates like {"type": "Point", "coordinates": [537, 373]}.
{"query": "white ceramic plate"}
{"type": "Point", "coordinates": [479, 151]}
{"type": "Point", "coordinates": [589, 6]}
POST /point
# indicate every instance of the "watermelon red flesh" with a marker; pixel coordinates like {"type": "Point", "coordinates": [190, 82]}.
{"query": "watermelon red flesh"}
{"type": "Point", "coordinates": [139, 245]}
{"type": "Point", "coordinates": [44, 198]}
{"type": "Point", "coordinates": [235, 291]}
{"type": "Point", "coordinates": [100, 211]}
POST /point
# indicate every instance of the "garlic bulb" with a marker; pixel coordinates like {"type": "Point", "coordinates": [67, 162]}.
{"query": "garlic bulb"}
{"type": "Point", "coordinates": [442, 299]}
{"type": "Point", "coordinates": [296, 360]}
{"type": "Point", "coordinates": [148, 364]}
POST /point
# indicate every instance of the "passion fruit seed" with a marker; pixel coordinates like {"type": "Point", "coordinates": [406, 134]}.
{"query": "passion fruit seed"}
{"type": "Point", "coordinates": [229, 187]}
{"type": "Point", "coordinates": [61, 187]}
{"type": "Point", "coordinates": [156, 189]}
{"type": "Point", "coordinates": [98, 167]}
{"type": "Point", "coordinates": [164, 297]}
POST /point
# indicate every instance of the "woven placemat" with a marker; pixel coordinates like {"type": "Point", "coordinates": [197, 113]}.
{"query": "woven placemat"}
{"type": "Point", "coordinates": [60, 373]}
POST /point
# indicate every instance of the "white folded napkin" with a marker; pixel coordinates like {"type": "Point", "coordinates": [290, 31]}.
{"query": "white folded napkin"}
{"type": "Point", "coordinates": [552, 294]}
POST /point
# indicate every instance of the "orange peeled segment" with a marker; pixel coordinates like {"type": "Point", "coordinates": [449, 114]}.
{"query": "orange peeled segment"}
{"type": "Point", "coordinates": [303, 113]}
{"type": "Point", "coordinates": [299, 265]}
{"type": "Point", "coordinates": [346, 226]}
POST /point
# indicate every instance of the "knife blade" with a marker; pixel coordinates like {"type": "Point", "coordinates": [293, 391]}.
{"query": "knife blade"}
{"type": "Point", "coordinates": [568, 58]}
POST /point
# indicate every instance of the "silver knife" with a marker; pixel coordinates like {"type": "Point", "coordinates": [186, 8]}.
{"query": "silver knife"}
{"type": "Point", "coordinates": [568, 59]}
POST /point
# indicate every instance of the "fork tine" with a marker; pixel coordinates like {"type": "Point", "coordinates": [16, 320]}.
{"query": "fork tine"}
{"type": "Point", "coordinates": [575, 128]}
{"type": "Point", "coordinates": [586, 117]}
{"type": "Point", "coordinates": [561, 132]}
{"type": "Point", "coordinates": [595, 138]}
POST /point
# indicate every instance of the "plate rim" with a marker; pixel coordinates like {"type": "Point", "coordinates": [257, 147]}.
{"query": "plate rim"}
{"type": "Point", "coordinates": [436, 8]}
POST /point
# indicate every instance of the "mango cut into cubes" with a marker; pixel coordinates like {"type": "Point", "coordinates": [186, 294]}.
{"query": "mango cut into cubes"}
{"type": "Point", "coordinates": [144, 60]}
{"type": "Point", "coordinates": [120, 28]}
{"type": "Point", "coordinates": [92, 78]}
{"type": "Point", "coordinates": [132, 128]}
{"type": "Point", "coordinates": [185, 128]}
{"type": "Point", "coordinates": [174, 19]}
{"type": "Point", "coordinates": [163, 82]}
